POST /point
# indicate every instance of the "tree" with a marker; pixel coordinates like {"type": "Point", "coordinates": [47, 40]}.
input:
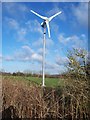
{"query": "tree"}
{"type": "Point", "coordinates": [76, 65]}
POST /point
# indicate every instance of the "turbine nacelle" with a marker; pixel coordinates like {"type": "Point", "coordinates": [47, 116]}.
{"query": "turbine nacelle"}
{"type": "Point", "coordinates": [46, 20]}
{"type": "Point", "coordinates": [43, 24]}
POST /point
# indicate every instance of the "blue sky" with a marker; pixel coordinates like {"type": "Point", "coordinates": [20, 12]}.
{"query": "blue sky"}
{"type": "Point", "coordinates": [22, 35]}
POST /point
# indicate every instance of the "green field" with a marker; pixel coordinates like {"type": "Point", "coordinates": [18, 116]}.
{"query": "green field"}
{"type": "Point", "coordinates": [49, 82]}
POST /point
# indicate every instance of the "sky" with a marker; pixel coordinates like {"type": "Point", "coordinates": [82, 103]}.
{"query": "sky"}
{"type": "Point", "coordinates": [22, 35]}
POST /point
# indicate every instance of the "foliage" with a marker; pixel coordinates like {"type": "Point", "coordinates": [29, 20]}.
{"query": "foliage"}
{"type": "Point", "coordinates": [76, 65]}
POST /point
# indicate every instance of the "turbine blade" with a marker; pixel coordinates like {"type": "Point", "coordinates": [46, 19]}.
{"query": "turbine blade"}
{"type": "Point", "coordinates": [54, 15]}
{"type": "Point", "coordinates": [38, 15]}
{"type": "Point", "coordinates": [47, 23]}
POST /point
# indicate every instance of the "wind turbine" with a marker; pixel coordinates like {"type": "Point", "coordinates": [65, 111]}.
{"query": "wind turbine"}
{"type": "Point", "coordinates": [45, 24]}
{"type": "Point", "coordinates": [46, 20]}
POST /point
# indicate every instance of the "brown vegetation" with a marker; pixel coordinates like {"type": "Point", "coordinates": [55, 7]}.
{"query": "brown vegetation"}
{"type": "Point", "coordinates": [24, 100]}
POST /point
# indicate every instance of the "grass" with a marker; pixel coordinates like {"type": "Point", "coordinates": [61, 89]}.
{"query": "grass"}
{"type": "Point", "coordinates": [23, 97]}
{"type": "Point", "coordinates": [49, 82]}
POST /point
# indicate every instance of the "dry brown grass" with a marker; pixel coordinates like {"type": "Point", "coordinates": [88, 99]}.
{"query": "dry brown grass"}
{"type": "Point", "coordinates": [24, 100]}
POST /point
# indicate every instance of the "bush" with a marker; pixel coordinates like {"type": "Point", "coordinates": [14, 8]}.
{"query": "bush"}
{"type": "Point", "coordinates": [23, 100]}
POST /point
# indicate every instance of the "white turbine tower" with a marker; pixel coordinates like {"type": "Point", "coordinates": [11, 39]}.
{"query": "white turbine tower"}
{"type": "Point", "coordinates": [45, 24]}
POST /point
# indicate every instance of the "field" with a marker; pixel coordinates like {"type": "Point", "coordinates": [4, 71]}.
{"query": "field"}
{"type": "Point", "coordinates": [49, 82]}
{"type": "Point", "coordinates": [23, 97]}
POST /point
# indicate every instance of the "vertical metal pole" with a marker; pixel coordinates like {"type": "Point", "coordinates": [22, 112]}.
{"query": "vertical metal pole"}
{"type": "Point", "coordinates": [43, 64]}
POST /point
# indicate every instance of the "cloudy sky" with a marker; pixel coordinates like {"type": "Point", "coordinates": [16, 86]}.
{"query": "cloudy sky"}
{"type": "Point", "coordinates": [22, 35]}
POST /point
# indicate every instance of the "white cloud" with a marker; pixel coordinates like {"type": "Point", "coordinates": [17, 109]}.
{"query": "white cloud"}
{"type": "Point", "coordinates": [40, 51]}
{"type": "Point", "coordinates": [39, 43]}
{"type": "Point", "coordinates": [20, 32]}
{"type": "Point", "coordinates": [36, 57]}
{"type": "Point", "coordinates": [24, 54]}
{"type": "Point", "coordinates": [81, 13]}
{"type": "Point", "coordinates": [49, 42]}
{"type": "Point", "coordinates": [16, 10]}
{"type": "Point", "coordinates": [51, 65]}
{"type": "Point", "coordinates": [54, 28]}
{"type": "Point", "coordinates": [74, 40]}
{"type": "Point", "coordinates": [80, 42]}
{"type": "Point", "coordinates": [8, 58]}
{"type": "Point", "coordinates": [62, 60]}
{"type": "Point", "coordinates": [28, 49]}
{"type": "Point", "coordinates": [63, 39]}
{"type": "Point", "coordinates": [23, 8]}
{"type": "Point", "coordinates": [54, 68]}
{"type": "Point", "coordinates": [34, 26]}
{"type": "Point", "coordinates": [33, 54]}
{"type": "Point", "coordinates": [27, 54]}
{"type": "Point", "coordinates": [0, 57]}
{"type": "Point", "coordinates": [13, 23]}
